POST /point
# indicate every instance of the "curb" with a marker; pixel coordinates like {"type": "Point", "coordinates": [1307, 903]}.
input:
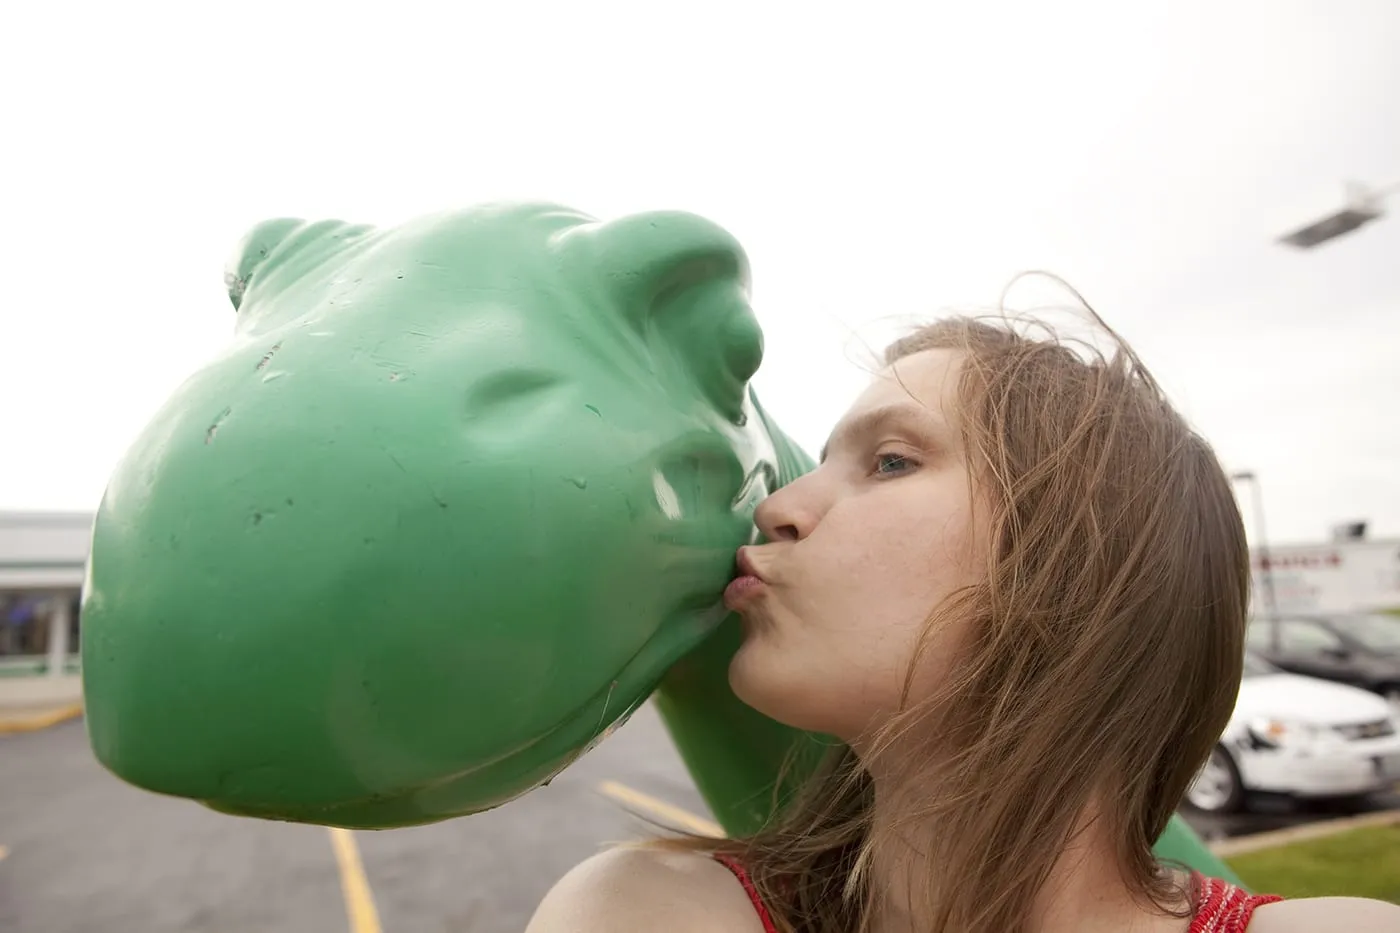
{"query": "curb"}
{"type": "Point", "coordinates": [1279, 837]}
{"type": "Point", "coordinates": [33, 722]}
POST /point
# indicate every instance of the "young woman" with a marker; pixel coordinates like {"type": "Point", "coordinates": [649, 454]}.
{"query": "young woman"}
{"type": "Point", "coordinates": [1015, 589]}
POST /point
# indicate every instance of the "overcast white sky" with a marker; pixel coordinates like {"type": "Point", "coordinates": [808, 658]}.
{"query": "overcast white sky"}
{"type": "Point", "coordinates": [876, 159]}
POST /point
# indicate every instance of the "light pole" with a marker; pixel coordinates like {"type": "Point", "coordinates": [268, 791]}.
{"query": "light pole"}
{"type": "Point", "coordinates": [1362, 206]}
{"type": "Point", "coordinates": [1265, 564]}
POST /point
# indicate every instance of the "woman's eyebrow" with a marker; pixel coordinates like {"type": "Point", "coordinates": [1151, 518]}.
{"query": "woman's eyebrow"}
{"type": "Point", "coordinates": [883, 417]}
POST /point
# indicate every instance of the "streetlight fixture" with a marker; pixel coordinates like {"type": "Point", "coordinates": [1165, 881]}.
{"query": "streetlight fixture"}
{"type": "Point", "coordinates": [1265, 564]}
{"type": "Point", "coordinates": [1362, 206]}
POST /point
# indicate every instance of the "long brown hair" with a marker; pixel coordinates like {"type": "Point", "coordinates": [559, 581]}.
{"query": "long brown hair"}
{"type": "Point", "coordinates": [1104, 654]}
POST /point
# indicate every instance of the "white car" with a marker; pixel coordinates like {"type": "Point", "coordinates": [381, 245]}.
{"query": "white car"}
{"type": "Point", "coordinates": [1299, 736]}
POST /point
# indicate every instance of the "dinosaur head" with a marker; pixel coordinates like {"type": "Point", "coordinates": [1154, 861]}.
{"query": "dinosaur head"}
{"type": "Point", "coordinates": [445, 511]}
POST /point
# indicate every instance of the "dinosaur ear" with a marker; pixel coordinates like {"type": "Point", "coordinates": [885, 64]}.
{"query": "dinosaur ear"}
{"type": "Point", "coordinates": [276, 252]}
{"type": "Point", "coordinates": [686, 278]}
{"type": "Point", "coordinates": [252, 251]}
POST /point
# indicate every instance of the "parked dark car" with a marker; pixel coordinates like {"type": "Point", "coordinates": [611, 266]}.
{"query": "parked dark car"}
{"type": "Point", "coordinates": [1361, 649]}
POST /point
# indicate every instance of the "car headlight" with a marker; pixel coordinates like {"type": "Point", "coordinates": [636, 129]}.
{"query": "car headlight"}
{"type": "Point", "coordinates": [1288, 733]}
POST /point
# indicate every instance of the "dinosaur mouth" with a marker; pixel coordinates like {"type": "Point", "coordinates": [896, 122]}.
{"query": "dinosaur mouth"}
{"type": "Point", "coordinates": [758, 483]}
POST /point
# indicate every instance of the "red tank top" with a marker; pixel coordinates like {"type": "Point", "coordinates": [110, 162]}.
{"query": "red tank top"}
{"type": "Point", "coordinates": [1221, 906]}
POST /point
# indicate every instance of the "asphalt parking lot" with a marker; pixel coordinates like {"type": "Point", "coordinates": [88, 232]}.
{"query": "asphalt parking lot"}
{"type": "Point", "coordinates": [1267, 813]}
{"type": "Point", "coordinates": [83, 851]}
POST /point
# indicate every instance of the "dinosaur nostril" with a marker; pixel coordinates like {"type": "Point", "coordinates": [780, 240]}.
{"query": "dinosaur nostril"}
{"type": "Point", "coordinates": [742, 343]}
{"type": "Point", "coordinates": [735, 350]}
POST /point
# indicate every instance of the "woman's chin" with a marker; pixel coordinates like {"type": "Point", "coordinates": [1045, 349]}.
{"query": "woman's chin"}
{"type": "Point", "coordinates": [750, 674]}
{"type": "Point", "coordinates": [766, 680]}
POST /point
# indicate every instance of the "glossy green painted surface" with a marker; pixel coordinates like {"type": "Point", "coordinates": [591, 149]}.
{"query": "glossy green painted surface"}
{"type": "Point", "coordinates": [454, 499]}
{"type": "Point", "coordinates": [459, 496]}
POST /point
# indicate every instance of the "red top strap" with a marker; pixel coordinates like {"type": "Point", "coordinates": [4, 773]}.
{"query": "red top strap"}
{"type": "Point", "coordinates": [1222, 907]}
{"type": "Point", "coordinates": [747, 882]}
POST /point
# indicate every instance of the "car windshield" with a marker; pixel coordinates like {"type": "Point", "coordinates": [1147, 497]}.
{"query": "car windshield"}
{"type": "Point", "coordinates": [1255, 666]}
{"type": "Point", "coordinates": [1377, 632]}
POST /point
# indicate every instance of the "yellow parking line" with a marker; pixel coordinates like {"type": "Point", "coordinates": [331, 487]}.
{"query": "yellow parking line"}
{"type": "Point", "coordinates": [660, 808]}
{"type": "Point", "coordinates": [3, 853]}
{"type": "Point", "coordinates": [33, 722]}
{"type": "Point", "coordinates": [359, 901]}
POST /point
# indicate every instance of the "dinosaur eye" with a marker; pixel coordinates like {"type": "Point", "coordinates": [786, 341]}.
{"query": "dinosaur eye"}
{"type": "Point", "coordinates": [506, 405]}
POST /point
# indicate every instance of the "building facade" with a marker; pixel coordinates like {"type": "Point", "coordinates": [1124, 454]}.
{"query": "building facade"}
{"type": "Point", "coordinates": [43, 559]}
{"type": "Point", "coordinates": [1334, 577]}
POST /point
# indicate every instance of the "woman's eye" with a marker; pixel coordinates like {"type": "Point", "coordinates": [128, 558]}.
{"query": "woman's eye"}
{"type": "Point", "coordinates": [892, 464]}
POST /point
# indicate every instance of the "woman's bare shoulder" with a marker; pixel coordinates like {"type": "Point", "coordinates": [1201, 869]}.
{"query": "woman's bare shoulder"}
{"type": "Point", "coordinates": [634, 888]}
{"type": "Point", "coordinates": [1317, 914]}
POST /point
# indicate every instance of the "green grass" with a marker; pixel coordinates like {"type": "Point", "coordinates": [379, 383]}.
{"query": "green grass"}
{"type": "Point", "coordinates": [1356, 863]}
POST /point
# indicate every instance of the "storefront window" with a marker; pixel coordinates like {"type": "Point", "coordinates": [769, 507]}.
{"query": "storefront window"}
{"type": "Point", "coordinates": [26, 629]}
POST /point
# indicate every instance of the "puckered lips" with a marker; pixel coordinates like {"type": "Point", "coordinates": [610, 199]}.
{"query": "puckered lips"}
{"type": "Point", "coordinates": [746, 585]}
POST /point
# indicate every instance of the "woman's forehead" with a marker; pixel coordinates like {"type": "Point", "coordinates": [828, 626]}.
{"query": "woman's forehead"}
{"type": "Point", "coordinates": [927, 379]}
{"type": "Point", "coordinates": [917, 394]}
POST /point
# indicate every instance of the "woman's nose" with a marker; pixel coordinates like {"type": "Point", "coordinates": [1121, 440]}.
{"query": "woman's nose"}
{"type": "Point", "coordinates": [788, 514]}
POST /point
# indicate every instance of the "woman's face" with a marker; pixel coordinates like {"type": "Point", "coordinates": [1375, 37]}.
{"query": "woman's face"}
{"type": "Point", "coordinates": [857, 554]}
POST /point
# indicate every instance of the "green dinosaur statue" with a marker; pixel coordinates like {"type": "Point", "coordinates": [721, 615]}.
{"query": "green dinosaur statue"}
{"type": "Point", "coordinates": [460, 496]}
